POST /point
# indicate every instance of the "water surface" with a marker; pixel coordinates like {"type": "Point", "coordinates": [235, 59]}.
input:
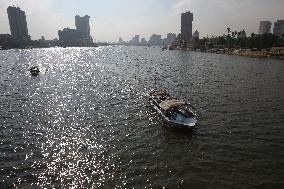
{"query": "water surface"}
{"type": "Point", "coordinates": [86, 122]}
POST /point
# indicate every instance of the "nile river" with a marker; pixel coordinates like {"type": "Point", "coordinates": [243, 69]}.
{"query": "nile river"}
{"type": "Point", "coordinates": [86, 122]}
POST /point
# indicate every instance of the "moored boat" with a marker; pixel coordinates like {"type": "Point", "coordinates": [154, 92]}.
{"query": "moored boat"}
{"type": "Point", "coordinates": [173, 111]}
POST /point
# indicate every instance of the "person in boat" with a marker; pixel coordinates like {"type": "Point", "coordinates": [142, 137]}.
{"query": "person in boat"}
{"type": "Point", "coordinates": [34, 68]}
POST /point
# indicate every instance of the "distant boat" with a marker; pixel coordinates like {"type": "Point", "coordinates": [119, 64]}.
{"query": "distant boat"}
{"type": "Point", "coordinates": [34, 71]}
{"type": "Point", "coordinates": [171, 47]}
{"type": "Point", "coordinates": [173, 111]}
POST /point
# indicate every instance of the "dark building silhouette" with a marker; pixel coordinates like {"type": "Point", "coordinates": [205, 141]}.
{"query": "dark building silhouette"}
{"type": "Point", "coordinates": [18, 25]}
{"type": "Point", "coordinates": [135, 40]}
{"type": "Point", "coordinates": [79, 36]}
{"type": "Point", "coordinates": [278, 28]}
{"type": "Point", "coordinates": [143, 41]}
{"type": "Point", "coordinates": [264, 27]}
{"type": "Point", "coordinates": [155, 40]}
{"type": "Point", "coordinates": [5, 40]}
{"type": "Point", "coordinates": [68, 34]}
{"type": "Point", "coordinates": [83, 27]}
{"type": "Point", "coordinates": [186, 26]}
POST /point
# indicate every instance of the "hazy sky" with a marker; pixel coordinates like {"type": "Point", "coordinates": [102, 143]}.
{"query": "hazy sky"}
{"type": "Point", "coordinates": [111, 19]}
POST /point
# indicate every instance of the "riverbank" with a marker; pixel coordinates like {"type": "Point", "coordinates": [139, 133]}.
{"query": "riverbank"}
{"type": "Point", "coordinates": [274, 52]}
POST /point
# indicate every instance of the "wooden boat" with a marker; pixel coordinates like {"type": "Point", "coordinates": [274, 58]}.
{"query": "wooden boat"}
{"type": "Point", "coordinates": [34, 71]}
{"type": "Point", "coordinates": [173, 111]}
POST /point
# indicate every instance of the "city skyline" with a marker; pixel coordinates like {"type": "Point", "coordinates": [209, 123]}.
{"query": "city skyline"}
{"type": "Point", "coordinates": [110, 19]}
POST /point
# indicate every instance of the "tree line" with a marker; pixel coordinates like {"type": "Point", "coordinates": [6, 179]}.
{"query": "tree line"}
{"type": "Point", "coordinates": [238, 39]}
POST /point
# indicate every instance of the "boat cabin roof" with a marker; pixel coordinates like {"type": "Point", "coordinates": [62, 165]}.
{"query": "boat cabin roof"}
{"type": "Point", "coordinates": [172, 103]}
{"type": "Point", "coordinates": [158, 93]}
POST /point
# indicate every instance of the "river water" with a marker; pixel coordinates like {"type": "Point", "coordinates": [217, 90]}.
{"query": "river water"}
{"type": "Point", "coordinates": [86, 122]}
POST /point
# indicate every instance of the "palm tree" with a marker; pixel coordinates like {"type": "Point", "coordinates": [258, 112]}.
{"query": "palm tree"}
{"type": "Point", "coordinates": [228, 30]}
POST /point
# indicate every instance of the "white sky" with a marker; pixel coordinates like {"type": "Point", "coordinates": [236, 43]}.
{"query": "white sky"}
{"type": "Point", "coordinates": [111, 19]}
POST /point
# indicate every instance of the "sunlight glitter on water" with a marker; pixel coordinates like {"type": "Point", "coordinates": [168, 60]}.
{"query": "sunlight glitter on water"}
{"type": "Point", "coordinates": [74, 154]}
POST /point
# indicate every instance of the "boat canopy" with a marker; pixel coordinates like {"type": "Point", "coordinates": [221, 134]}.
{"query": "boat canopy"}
{"type": "Point", "coordinates": [158, 93]}
{"type": "Point", "coordinates": [169, 104]}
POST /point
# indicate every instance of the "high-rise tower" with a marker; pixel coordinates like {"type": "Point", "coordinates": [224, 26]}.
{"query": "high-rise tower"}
{"type": "Point", "coordinates": [186, 26]}
{"type": "Point", "coordinates": [18, 24]}
{"type": "Point", "coordinates": [82, 26]}
{"type": "Point", "coordinates": [264, 27]}
{"type": "Point", "coordinates": [278, 28]}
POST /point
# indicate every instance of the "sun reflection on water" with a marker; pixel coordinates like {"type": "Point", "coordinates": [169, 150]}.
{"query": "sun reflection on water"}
{"type": "Point", "coordinates": [70, 106]}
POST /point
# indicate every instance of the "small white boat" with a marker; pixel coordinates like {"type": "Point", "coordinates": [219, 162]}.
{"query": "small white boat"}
{"type": "Point", "coordinates": [173, 111]}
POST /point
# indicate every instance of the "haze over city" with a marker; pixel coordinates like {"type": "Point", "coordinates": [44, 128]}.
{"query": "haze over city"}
{"type": "Point", "coordinates": [112, 19]}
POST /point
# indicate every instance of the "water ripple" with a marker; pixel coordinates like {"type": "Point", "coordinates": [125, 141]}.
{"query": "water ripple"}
{"type": "Point", "coordinates": [85, 121]}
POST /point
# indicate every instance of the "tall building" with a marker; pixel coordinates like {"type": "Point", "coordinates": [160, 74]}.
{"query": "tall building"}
{"type": "Point", "coordinates": [155, 40]}
{"type": "Point", "coordinates": [264, 27]}
{"type": "Point", "coordinates": [79, 36]}
{"type": "Point", "coordinates": [82, 26]}
{"type": "Point", "coordinates": [135, 40]}
{"type": "Point", "coordinates": [143, 41]}
{"type": "Point", "coordinates": [18, 24]}
{"type": "Point", "coordinates": [186, 26]}
{"type": "Point", "coordinates": [278, 28]}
